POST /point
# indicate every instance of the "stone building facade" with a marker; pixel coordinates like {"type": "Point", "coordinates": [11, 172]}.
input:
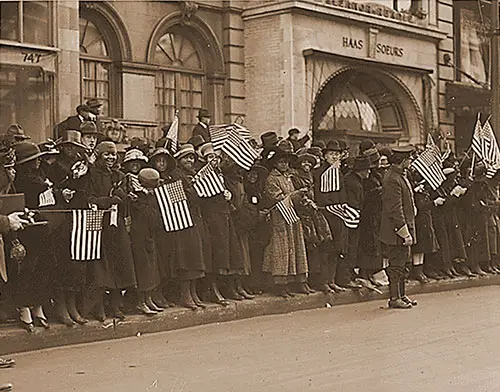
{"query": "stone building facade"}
{"type": "Point", "coordinates": [334, 68]}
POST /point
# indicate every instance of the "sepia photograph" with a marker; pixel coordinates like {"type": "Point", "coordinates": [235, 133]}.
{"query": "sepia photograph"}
{"type": "Point", "coordinates": [249, 195]}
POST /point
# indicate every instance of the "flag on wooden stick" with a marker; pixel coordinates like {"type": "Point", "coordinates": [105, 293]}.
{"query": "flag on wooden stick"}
{"type": "Point", "coordinates": [173, 134]}
{"type": "Point", "coordinates": [86, 235]}
{"type": "Point", "coordinates": [174, 206]}
{"type": "Point", "coordinates": [208, 183]}
{"type": "Point", "coordinates": [429, 164]}
{"type": "Point", "coordinates": [285, 207]}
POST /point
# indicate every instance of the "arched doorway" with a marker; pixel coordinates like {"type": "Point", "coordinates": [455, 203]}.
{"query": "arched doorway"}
{"type": "Point", "coordinates": [360, 103]}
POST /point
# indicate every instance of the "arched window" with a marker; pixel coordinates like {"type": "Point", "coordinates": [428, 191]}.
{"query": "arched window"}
{"type": "Point", "coordinates": [95, 65]}
{"type": "Point", "coordinates": [180, 80]}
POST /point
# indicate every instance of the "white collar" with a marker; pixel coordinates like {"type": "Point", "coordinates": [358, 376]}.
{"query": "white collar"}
{"type": "Point", "coordinates": [203, 124]}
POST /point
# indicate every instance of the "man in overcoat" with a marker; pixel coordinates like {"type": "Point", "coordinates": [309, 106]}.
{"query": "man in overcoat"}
{"type": "Point", "coordinates": [201, 128]}
{"type": "Point", "coordinates": [397, 227]}
{"type": "Point", "coordinates": [73, 122]}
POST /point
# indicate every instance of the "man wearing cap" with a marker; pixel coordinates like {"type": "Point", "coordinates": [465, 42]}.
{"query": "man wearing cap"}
{"type": "Point", "coordinates": [293, 137]}
{"type": "Point", "coordinates": [397, 227]}
{"type": "Point", "coordinates": [201, 128]}
{"type": "Point", "coordinates": [15, 134]}
{"type": "Point", "coordinates": [73, 122]}
{"type": "Point", "coordinates": [90, 137]}
{"type": "Point", "coordinates": [355, 199]}
{"type": "Point", "coordinates": [95, 107]}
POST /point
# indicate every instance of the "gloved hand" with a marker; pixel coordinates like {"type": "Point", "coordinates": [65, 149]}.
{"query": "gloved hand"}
{"type": "Point", "coordinates": [16, 222]}
{"type": "Point", "coordinates": [439, 201]}
{"type": "Point", "coordinates": [408, 240]}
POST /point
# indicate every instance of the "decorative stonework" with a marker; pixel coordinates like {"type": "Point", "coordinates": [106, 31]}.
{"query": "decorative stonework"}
{"type": "Point", "coordinates": [89, 5]}
{"type": "Point", "coordinates": [188, 9]}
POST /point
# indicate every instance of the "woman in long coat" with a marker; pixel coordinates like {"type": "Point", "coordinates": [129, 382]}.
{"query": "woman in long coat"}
{"type": "Point", "coordinates": [145, 222]}
{"type": "Point", "coordinates": [285, 257]}
{"type": "Point", "coordinates": [34, 283]}
{"type": "Point", "coordinates": [115, 271]}
{"type": "Point", "coordinates": [191, 247]}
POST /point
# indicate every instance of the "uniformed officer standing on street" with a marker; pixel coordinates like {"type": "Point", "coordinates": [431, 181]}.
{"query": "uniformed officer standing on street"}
{"type": "Point", "coordinates": [397, 228]}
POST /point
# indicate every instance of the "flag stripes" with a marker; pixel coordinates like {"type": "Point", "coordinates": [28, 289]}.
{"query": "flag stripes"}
{"type": "Point", "coordinates": [231, 139]}
{"type": "Point", "coordinates": [485, 146]}
{"type": "Point", "coordinates": [330, 180]}
{"type": "Point", "coordinates": [207, 183]}
{"type": "Point", "coordinates": [349, 215]}
{"type": "Point", "coordinates": [287, 211]}
{"type": "Point", "coordinates": [173, 206]}
{"type": "Point", "coordinates": [86, 235]}
{"type": "Point", "coordinates": [46, 198]}
{"type": "Point", "coordinates": [429, 165]}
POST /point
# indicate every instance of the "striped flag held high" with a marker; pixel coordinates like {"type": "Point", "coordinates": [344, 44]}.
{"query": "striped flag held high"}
{"type": "Point", "coordinates": [173, 134]}
{"type": "Point", "coordinates": [479, 140]}
{"type": "Point", "coordinates": [330, 180]}
{"type": "Point", "coordinates": [285, 207]}
{"type": "Point", "coordinates": [348, 214]}
{"type": "Point", "coordinates": [173, 206]}
{"type": "Point", "coordinates": [493, 154]}
{"type": "Point", "coordinates": [86, 235]}
{"type": "Point", "coordinates": [207, 183]}
{"type": "Point", "coordinates": [429, 164]}
{"type": "Point", "coordinates": [218, 135]}
{"type": "Point", "coordinates": [231, 140]}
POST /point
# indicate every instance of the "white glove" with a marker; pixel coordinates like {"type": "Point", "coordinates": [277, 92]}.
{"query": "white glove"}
{"type": "Point", "coordinates": [67, 195]}
{"type": "Point", "coordinates": [439, 201]}
{"type": "Point", "coordinates": [15, 221]}
{"type": "Point", "coordinates": [408, 240]}
{"type": "Point", "coordinates": [227, 195]}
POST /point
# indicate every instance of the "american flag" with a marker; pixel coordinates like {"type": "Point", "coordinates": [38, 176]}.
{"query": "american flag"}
{"type": "Point", "coordinates": [285, 207]}
{"type": "Point", "coordinates": [133, 183]}
{"type": "Point", "coordinates": [46, 198]}
{"type": "Point", "coordinates": [348, 214]}
{"type": "Point", "coordinates": [429, 164]}
{"type": "Point", "coordinates": [207, 183]}
{"type": "Point", "coordinates": [492, 156]}
{"type": "Point", "coordinates": [86, 235]}
{"type": "Point", "coordinates": [173, 206]}
{"type": "Point", "coordinates": [330, 180]}
{"type": "Point", "coordinates": [173, 135]}
{"type": "Point", "coordinates": [231, 140]}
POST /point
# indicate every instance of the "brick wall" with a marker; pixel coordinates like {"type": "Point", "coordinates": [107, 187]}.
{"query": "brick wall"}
{"type": "Point", "coordinates": [263, 71]}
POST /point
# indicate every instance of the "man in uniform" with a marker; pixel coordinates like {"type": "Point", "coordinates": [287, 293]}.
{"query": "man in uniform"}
{"type": "Point", "coordinates": [201, 128]}
{"type": "Point", "coordinates": [397, 227]}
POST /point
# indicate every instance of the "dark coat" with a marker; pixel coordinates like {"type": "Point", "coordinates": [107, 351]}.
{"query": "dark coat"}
{"type": "Point", "coordinates": [199, 129]}
{"type": "Point", "coordinates": [398, 207]}
{"type": "Point", "coordinates": [115, 270]}
{"type": "Point", "coordinates": [34, 283]}
{"type": "Point", "coordinates": [356, 199]}
{"type": "Point", "coordinates": [72, 122]}
{"type": "Point", "coordinates": [337, 226]}
{"type": "Point", "coordinates": [424, 226]}
{"type": "Point", "coordinates": [299, 143]}
{"type": "Point", "coordinates": [144, 213]}
{"type": "Point", "coordinates": [369, 252]}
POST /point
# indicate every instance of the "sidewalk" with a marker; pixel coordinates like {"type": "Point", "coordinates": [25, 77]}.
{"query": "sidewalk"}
{"type": "Point", "coordinates": [14, 339]}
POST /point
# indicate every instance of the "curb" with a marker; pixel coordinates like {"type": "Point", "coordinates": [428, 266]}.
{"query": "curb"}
{"type": "Point", "coordinates": [15, 340]}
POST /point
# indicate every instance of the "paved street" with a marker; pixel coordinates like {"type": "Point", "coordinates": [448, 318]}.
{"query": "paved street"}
{"type": "Point", "coordinates": [448, 343]}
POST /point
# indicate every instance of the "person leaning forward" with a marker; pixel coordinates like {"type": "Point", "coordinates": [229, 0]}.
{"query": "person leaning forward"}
{"type": "Point", "coordinates": [397, 227]}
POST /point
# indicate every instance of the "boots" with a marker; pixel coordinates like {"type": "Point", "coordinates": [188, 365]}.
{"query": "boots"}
{"type": "Point", "coordinates": [476, 269]}
{"type": "Point", "coordinates": [233, 293]}
{"type": "Point", "coordinates": [186, 299]}
{"type": "Point", "coordinates": [281, 291]}
{"type": "Point", "coordinates": [218, 297]}
{"type": "Point", "coordinates": [141, 304]}
{"type": "Point", "coordinates": [241, 290]}
{"type": "Point", "coordinates": [194, 295]}
{"type": "Point", "coordinates": [72, 310]}
{"type": "Point", "coordinates": [61, 310]}
{"type": "Point", "coordinates": [159, 299]}
{"type": "Point", "coordinates": [151, 304]}
{"type": "Point", "coordinates": [418, 274]}
{"type": "Point", "coordinates": [116, 312]}
{"type": "Point", "coordinates": [402, 293]}
{"type": "Point", "coordinates": [395, 301]}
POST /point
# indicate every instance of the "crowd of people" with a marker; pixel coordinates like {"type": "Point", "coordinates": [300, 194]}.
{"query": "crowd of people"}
{"type": "Point", "coordinates": [308, 216]}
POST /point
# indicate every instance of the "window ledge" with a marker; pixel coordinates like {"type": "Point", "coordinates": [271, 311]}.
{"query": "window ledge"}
{"type": "Point", "coordinates": [15, 44]}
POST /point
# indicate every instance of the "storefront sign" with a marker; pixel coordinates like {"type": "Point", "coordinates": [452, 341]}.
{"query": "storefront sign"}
{"type": "Point", "coordinates": [372, 8]}
{"type": "Point", "coordinates": [31, 57]}
{"type": "Point", "coordinates": [389, 50]}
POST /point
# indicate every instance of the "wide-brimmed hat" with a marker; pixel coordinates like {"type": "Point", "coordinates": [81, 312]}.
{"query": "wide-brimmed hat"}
{"type": "Point", "coordinates": [135, 155]}
{"type": "Point", "coordinates": [405, 151]}
{"type": "Point", "coordinates": [49, 147]}
{"type": "Point", "coordinates": [82, 108]}
{"type": "Point", "coordinates": [27, 151]}
{"type": "Point", "coordinates": [293, 131]}
{"type": "Point", "coordinates": [204, 113]}
{"type": "Point", "coordinates": [306, 157]}
{"type": "Point", "coordinates": [275, 153]}
{"type": "Point", "coordinates": [89, 128]}
{"type": "Point", "coordinates": [206, 149]}
{"type": "Point", "coordinates": [16, 131]}
{"type": "Point", "coordinates": [160, 151]}
{"type": "Point", "coordinates": [366, 144]}
{"type": "Point", "coordinates": [71, 137]}
{"type": "Point", "coordinates": [332, 145]}
{"type": "Point", "coordinates": [373, 155]}
{"type": "Point", "coordinates": [261, 171]}
{"type": "Point", "coordinates": [269, 139]}
{"type": "Point", "coordinates": [184, 150]}
{"type": "Point", "coordinates": [361, 162]}
{"type": "Point", "coordinates": [93, 103]}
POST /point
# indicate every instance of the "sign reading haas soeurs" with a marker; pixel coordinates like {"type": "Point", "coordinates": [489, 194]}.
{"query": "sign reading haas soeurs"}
{"type": "Point", "coordinates": [388, 50]}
